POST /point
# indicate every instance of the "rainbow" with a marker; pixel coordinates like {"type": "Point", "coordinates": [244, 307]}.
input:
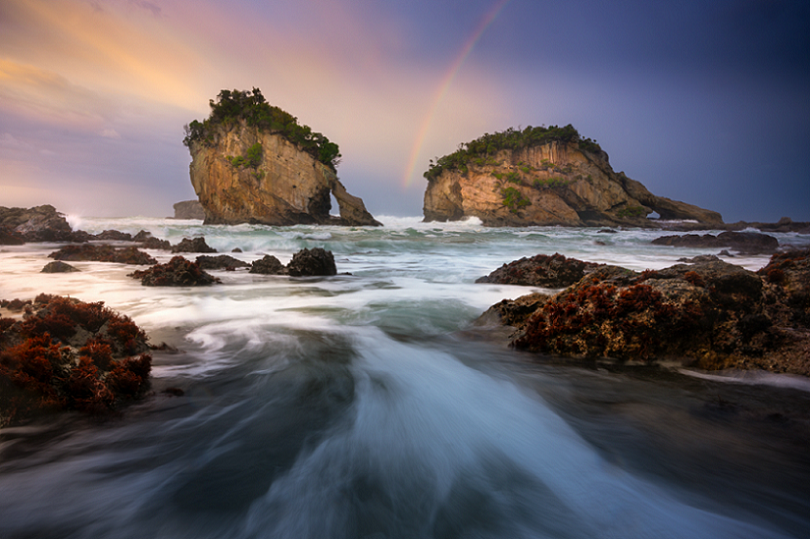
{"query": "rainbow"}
{"type": "Point", "coordinates": [445, 84]}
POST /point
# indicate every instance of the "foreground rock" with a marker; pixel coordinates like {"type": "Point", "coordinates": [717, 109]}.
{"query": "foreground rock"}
{"type": "Point", "coordinates": [37, 224]}
{"type": "Point", "coordinates": [544, 176]}
{"type": "Point", "coordinates": [253, 163]}
{"type": "Point", "coordinates": [712, 315]}
{"type": "Point", "coordinates": [555, 271]}
{"type": "Point", "coordinates": [189, 209]}
{"type": "Point", "coordinates": [66, 354]}
{"type": "Point", "coordinates": [176, 272]}
{"type": "Point", "coordinates": [103, 253]}
{"type": "Point", "coordinates": [744, 242]}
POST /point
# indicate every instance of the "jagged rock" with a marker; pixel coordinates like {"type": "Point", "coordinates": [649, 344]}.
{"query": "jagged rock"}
{"type": "Point", "coordinates": [268, 265]}
{"type": "Point", "coordinates": [38, 224]}
{"type": "Point", "coordinates": [551, 183]}
{"type": "Point", "coordinates": [189, 209]}
{"type": "Point", "coordinates": [243, 172]}
{"type": "Point", "coordinates": [58, 266]}
{"type": "Point", "coordinates": [744, 242]}
{"type": "Point", "coordinates": [513, 312]}
{"type": "Point", "coordinates": [712, 315]}
{"type": "Point", "coordinates": [9, 236]}
{"type": "Point", "coordinates": [103, 253]}
{"type": "Point", "coordinates": [148, 241]}
{"type": "Point", "coordinates": [113, 235]}
{"type": "Point", "coordinates": [196, 245]}
{"type": "Point", "coordinates": [555, 271]}
{"type": "Point", "coordinates": [176, 272]}
{"type": "Point", "coordinates": [220, 262]}
{"type": "Point", "coordinates": [312, 262]}
{"type": "Point", "coordinates": [66, 354]}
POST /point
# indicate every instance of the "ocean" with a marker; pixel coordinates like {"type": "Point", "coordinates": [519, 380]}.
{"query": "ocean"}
{"type": "Point", "coordinates": [369, 404]}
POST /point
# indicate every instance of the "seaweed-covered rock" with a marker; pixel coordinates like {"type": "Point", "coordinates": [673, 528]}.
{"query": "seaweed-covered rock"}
{"type": "Point", "coordinates": [555, 271]}
{"type": "Point", "coordinates": [744, 242]}
{"type": "Point", "coordinates": [196, 245]}
{"type": "Point", "coordinates": [268, 265]}
{"type": "Point", "coordinates": [9, 236]}
{"type": "Point", "coordinates": [312, 262]}
{"type": "Point", "coordinates": [710, 314]}
{"type": "Point", "coordinates": [103, 253]}
{"type": "Point", "coordinates": [67, 354]}
{"type": "Point", "coordinates": [176, 272]}
{"type": "Point", "coordinates": [57, 266]}
{"type": "Point", "coordinates": [220, 262]}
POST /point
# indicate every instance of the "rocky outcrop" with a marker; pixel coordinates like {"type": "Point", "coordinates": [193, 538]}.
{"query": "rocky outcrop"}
{"type": "Point", "coordinates": [189, 209]}
{"type": "Point", "coordinates": [102, 253]}
{"type": "Point", "coordinates": [743, 242]}
{"type": "Point", "coordinates": [37, 224]}
{"type": "Point", "coordinates": [268, 265]}
{"type": "Point", "coordinates": [194, 245]}
{"type": "Point", "coordinates": [242, 174]}
{"type": "Point", "coordinates": [711, 315]}
{"type": "Point", "coordinates": [555, 183]}
{"type": "Point", "coordinates": [225, 262]}
{"type": "Point", "coordinates": [312, 262]}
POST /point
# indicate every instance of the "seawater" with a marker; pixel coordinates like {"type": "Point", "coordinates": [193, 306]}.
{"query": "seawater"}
{"type": "Point", "coordinates": [366, 405]}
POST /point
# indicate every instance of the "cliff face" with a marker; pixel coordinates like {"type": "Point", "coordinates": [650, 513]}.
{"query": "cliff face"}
{"type": "Point", "coordinates": [556, 183]}
{"type": "Point", "coordinates": [242, 174]}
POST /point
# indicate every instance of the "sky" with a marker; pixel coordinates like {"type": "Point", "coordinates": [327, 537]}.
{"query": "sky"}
{"type": "Point", "coordinates": [704, 101]}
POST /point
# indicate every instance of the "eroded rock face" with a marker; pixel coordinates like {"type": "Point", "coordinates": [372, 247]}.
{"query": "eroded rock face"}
{"type": "Point", "coordinates": [189, 209]}
{"type": "Point", "coordinates": [245, 175]}
{"type": "Point", "coordinates": [556, 183]}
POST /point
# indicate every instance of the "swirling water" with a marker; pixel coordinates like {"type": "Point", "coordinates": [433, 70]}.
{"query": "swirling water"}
{"type": "Point", "coordinates": [365, 405]}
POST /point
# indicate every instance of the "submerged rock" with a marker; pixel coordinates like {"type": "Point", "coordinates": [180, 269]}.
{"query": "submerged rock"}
{"type": "Point", "coordinates": [176, 272]}
{"type": "Point", "coordinates": [555, 271]}
{"type": "Point", "coordinates": [711, 314]}
{"type": "Point", "coordinates": [103, 253]}
{"type": "Point", "coordinates": [220, 262]}
{"type": "Point", "coordinates": [57, 266]}
{"type": "Point", "coordinates": [67, 354]}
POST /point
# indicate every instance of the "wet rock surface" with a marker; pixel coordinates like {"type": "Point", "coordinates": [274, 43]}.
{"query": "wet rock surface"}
{"type": "Point", "coordinates": [268, 265]}
{"type": "Point", "coordinates": [225, 262]}
{"type": "Point", "coordinates": [177, 272]}
{"type": "Point", "coordinates": [744, 242]}
{"type": "Point", "coordinates": [69, 355]}
{"type": "Point", "coordinates": [711, 315]}
{"type": "Point", "coordinates": [554, 271]}
{"type": "Point", "coordinates": [57, 266]}
{"type": "Point", "coordinates": [102, 253]}
{"type": "Point", "coordinates": [312, 262]}
{"type": "Point", "coordinates": [195, 245]}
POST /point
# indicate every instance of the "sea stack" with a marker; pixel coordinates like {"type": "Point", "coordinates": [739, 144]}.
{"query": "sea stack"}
{"type": "Point", "coordinates": [544, 176]}
{"type": "Point", "coordinates": [253, 163]}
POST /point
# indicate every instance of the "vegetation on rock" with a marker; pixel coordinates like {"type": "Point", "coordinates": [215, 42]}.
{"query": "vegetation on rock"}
{"type": "Point", "coordinates": [483, 149]}
{"type": "Point", "coordinates": [67, 354]}
{"type": "Point", "coordinates": [251, 107]}
{"type": "Point", "coordinates": [176, 272]}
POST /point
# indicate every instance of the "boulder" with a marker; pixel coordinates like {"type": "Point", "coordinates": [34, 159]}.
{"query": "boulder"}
{"type": "Point", "coordinates": [555, 271]}
{"type": "Point", "coordinates": [268, 265]}
{"type": "Point", "coordinates": [103, 253]}
{"type": "Point", "coordinates": [196, 245]}
{"type": "Point", "coordinates": [70, 355]}
{"type": "Point", "coordinates": [177, 272]}
{"type": "Point", "coordinates": [58, 266]}
{"type": "Point", "coordinates": [312, 262]}
{"type": "Point", "coordinates": [148, 241]}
